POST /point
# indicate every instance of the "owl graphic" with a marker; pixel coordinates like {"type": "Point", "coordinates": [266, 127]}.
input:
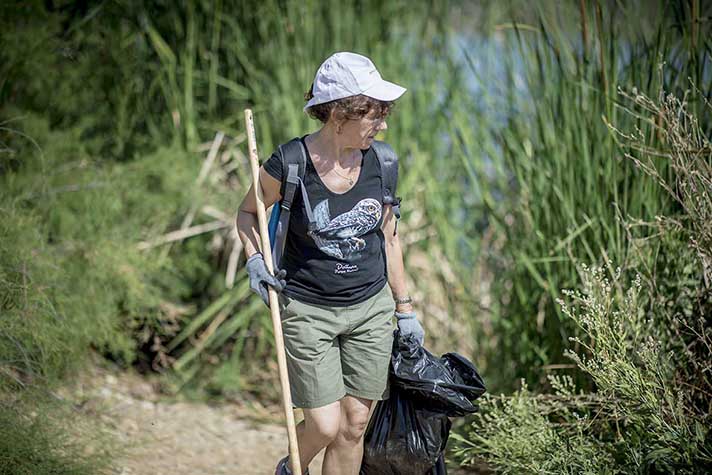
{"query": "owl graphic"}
{"type": "Point", "coordinates": [340, 237]}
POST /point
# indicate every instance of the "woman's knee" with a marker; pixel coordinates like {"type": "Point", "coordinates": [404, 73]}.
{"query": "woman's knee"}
{"type": "Point", "coordinates": [355, 419]}
{"type": "Point", "coordinates": [323, 422]}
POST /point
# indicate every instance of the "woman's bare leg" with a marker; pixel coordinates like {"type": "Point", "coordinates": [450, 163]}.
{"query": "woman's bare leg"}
{"type": "Point", "coordinates": [319, 427]}
{"type": "Point", "coordinates": [343, 455]}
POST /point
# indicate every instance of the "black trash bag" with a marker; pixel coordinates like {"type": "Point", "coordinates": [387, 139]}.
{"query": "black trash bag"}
{"type": "Point", "coordinates": [446, 384]}
{"type": "Point", "coordinates": [439, 468]}
{"type": "Point", "coordinates": [403, 438]}
{"type": "Point", "coordinates": [408, 432]}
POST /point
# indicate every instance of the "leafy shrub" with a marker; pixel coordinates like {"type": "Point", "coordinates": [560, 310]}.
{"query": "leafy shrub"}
{"type": "Point", "coordinates": [42, 435]}
{"type": "Point", "coordinates": [647, 348]}
{"type": "Point", "coordinates": [71, 274]}
{"type": "Point", "coordinates": [519, 434]}
{"type": "Point", "coordinates": [638, 420]}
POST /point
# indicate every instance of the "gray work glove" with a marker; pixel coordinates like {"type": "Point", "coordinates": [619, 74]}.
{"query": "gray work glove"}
{"type": "Point", "coordinates": [260, 277]}
{"type": "Point", "coordinates": [408, 325]}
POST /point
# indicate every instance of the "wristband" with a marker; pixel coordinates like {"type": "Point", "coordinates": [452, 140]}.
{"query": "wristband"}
{"type": "Point", "coordinates": [403, 300]}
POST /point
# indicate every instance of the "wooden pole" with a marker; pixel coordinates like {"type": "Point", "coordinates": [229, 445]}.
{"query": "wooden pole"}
{"type": "Point", "coordinates": [273, 302]}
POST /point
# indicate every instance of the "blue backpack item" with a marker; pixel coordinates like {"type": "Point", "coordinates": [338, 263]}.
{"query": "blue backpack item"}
{"type": "Point", "coordinates": [293, 156]}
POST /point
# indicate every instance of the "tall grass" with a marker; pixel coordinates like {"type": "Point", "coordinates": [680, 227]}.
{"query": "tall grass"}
{"type": "Point", "coordinates": [570, 186]}
{"type": "Point", "coordinates": [43, 435]}
{"type": "Point", "coordinates": [645, 341]}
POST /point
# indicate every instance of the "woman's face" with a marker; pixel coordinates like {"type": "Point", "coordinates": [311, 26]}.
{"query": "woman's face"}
{"type": "Point", "coordinates": [359, 133]}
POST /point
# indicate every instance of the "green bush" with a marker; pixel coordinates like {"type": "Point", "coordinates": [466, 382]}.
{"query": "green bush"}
{"type": "Point", "coordinates": [42, 435]}
{"type": "Point", "coordinates": [71, 272]}
{"type": "Point", "coordinates": [639, 420]}
{"type": "Point", "coordinates": [645, 346]}
{"type": "Point", "coordinates": [526, 433]}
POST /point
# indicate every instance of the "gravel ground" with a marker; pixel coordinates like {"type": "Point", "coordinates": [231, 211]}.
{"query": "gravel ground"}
{"type": "Point", "coordinates": [160, 436]}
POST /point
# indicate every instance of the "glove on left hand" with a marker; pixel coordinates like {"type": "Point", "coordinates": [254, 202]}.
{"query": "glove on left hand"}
{"type": "Point", "coordinates": [260, 277]}
{"type": "Point", "coordinates": [408, 325]}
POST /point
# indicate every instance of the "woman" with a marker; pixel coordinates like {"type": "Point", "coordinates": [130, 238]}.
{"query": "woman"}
{"type": "Point", "coordinates": [336, 308]}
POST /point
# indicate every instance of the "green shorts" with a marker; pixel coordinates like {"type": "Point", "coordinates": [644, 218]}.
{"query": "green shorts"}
{"type": "Point", "coordinates": [334, 351]}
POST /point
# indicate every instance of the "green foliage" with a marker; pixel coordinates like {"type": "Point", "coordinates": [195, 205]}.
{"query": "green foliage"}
{"type": "Point", "coordinates": [565, 189]}
{"type": "Point", "coordinates": [37, 338]}
{"type": "Point", "coordinates": [646, 347]}
{"type": "Point", "coordinates": [72, 279]}
{"type": "Point", "coordinates": [634, 375]}
{"type": "Point", "coordinates": [516, 436]}
{"type": "Point", "coordinates": [43, 436]}
{"type": "Point", "coordinates": [639, 420]}
{"type": "Point", "coordinates": [72, 274]}
{"type": "Point", "coordinates": [81, 67]}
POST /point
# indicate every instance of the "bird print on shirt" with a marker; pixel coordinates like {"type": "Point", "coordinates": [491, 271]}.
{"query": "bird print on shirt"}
{"type": "Point", "coordinates": [340, 237]}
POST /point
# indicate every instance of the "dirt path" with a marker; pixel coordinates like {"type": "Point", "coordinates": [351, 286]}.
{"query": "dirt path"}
{"type": "Point", "coordinates": [182, 438]}
{"type": "Point", "coordinates": [170, 437]}
{"type": "Point", "coordinates": [161, 436]}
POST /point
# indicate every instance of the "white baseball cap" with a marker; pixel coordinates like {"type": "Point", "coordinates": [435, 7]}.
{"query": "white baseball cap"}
{"type": "Point", "coordinates": [349, 74]}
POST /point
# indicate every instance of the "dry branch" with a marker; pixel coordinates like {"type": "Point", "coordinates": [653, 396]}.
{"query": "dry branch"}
{"type": "Point", "coordinates": [232, 263]}
{"type": "Point", "coordinates": [184, 233]}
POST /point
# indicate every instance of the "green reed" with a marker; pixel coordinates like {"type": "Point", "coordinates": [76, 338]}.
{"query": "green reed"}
{"type": "Point", "coordinates": [571, 186]}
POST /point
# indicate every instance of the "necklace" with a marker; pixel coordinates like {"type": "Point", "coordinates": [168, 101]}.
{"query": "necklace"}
{"type": "Point", "coordinates": [350, 180]}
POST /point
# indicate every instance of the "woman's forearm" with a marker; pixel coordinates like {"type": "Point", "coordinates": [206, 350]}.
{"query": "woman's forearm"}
{"type": "Point", "coordinates": [246, 222]}
{"type": "Point", "coordinates": [396, 272]}
{"type": "Point", "coordinates": [248, 232]}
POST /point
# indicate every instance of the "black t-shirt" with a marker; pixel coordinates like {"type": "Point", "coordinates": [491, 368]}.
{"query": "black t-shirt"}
{"type": "Point", "coordinates": [343, 263]}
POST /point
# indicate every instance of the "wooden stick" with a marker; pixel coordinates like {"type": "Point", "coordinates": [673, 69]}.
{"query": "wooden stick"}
{"type": "Point", "coordinates": [273, 302]}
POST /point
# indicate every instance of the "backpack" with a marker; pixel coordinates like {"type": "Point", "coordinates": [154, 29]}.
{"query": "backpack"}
{"type": "Point", "coordinates": [294, 159]}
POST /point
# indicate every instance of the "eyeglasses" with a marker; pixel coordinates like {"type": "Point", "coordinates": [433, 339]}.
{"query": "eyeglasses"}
{"type": "Point", "coordinates": [373, 120]}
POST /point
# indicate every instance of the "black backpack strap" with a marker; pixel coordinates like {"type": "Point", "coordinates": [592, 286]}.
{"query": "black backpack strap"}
{"type": "Point", "coordinates": [389, 176]}
{"type": "Point", "coordinates": [294, 163]}
{"type": "Point", "coordinates": [293, 160]}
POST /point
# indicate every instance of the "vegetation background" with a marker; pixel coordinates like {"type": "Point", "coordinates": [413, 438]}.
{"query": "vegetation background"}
{"type": "Point", "coordinates": [543, 146]}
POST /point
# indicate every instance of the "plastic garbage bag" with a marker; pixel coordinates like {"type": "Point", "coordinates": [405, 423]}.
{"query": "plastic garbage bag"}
{"type": "Point", "coordinates": [403, 438]}
{"type": "Point", "coordinates": [446, 384]}
{"type": "Point", "coordinates": [439, 468]}
{"type": "Point", "coordinates": [408, 432]}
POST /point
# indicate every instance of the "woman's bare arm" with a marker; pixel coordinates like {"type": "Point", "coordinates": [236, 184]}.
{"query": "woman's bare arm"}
{"type": "Point", "coordinates": [394, 259]}
{"type": "Point", "coordinates": [247, 227]}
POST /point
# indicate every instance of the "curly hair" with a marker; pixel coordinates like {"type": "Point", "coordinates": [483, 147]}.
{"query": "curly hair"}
{"type": "Point", "coordinates": [353, 107]}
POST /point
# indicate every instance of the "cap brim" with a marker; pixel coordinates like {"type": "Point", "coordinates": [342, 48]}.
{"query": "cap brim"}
{"type": "Point", "coordinates": [382, 91]}
{"type": "Point", "coordinates": [311, 102]}
{"type": "Point", "coordinates": [385, 91]}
